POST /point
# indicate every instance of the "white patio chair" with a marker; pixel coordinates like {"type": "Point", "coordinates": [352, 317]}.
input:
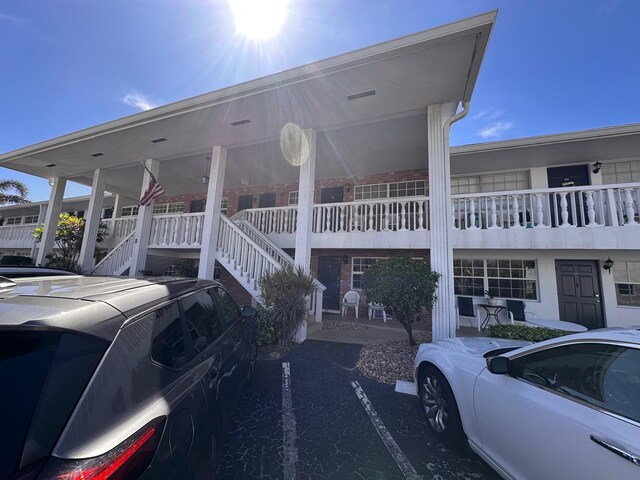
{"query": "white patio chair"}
{"type": "Point", "coordinates": [351, 299]}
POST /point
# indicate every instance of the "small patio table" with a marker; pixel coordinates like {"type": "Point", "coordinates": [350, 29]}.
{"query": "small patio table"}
{"type": "Point", "coordinates": [557, 324]}
{"type": "Point", "coordinates": [492, 312]}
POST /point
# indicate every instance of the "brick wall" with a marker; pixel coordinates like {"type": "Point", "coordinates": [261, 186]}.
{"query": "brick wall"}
{"type": "Point", "coordinates": [282, 191]}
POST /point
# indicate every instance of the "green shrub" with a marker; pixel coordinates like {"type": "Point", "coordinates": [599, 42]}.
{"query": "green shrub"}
{"type": "Point", "coordinates": [186, 267]}
{"type": "Point", "coordinates": [15, 260]}
{"type": "Point", "coordinates": [524, 332]}
{"type": "Point", "coordinates": [284, 295]}
{"type": "Point", "coordinates": [267, 328]}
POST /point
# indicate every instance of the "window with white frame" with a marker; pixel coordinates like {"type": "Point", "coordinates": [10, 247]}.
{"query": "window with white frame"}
{"type": "Point", "coordinates": [129, 211]}
{"type": "Point", "coordinates": [410, 188]}
{"type": "Point", "coordinates": [293, 198]}
{"type": "Point", "coordinates": [13, 221]}
{"type": "Point", "coordinates": [30, 219]}
{"type": "Point", "coordinates": [620, 172]}
{"type": "Point", "coordinates": [358, 267]}
{"type": "Point", "coordinates": [498, 182]}
{"type": "Point", "coordinates": [167, 208]}
{"type": "Point", "coordinates": [626, 278]}
{"type": "Point", "coordinates": [517, 279]}
{"type": "Point", "coordinates": [224, 205]}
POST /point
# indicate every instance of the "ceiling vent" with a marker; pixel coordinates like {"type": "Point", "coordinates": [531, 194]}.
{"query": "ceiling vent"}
{"type": "Point", "coordinates": [49, 165]}
{"type": "Point", "coordinates": [240, 122]}
{"type": "Point", "coordinates": [159, 140]}
{"type": "Point", "coordinates": [97, 154]}
{"type": "Point", "coordinates": [356, 96]}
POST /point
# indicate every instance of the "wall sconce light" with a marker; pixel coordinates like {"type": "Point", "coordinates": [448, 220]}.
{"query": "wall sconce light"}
{"type": "Point", "coordinates": [596, 167]}
{"type": "Point", "coordinates": [347, 187]}
{"type": "Point", "coordinates": [345, 259]}
{"type": "Point", "coordinates": [52, 182]}
{"type": "Point", "coordinates": [205, 179]}
{"type": "Point", "coordinates": [608, 265]}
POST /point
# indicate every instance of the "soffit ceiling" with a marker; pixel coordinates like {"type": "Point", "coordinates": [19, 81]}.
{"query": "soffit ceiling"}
{"type": "Point", "coordinates": [355, 137]}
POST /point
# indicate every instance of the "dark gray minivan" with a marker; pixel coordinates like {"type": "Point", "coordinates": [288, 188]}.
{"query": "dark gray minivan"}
{"type": "Point", "coordinates": [118, 378]}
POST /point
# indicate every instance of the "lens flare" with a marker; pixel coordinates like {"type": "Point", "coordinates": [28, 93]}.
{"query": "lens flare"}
{"type": "Point", "coordinates": [294, 144]}
{"type": "Point", "coordinates": [259, 19]}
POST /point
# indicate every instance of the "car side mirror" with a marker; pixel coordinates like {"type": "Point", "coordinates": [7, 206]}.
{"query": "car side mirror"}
{"type": "Point", "coordinates": [498, 365]}
{"type": "Point", "coordinates": [249, 312]}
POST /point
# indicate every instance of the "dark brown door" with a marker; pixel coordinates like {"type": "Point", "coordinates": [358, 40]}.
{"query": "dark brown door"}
{"type": "Point", "coordinates": [244, 202]}
{"type": "Point", "coordinates": [570, 176]}
{"type": "Point", "coordinates": [579, 292]}
{"type": "Point", "coordinates": [329, 276]}
{"type": "Point", "coordinates": [196, 206]}
{"type": "Point", "coordinates": [267, 200]}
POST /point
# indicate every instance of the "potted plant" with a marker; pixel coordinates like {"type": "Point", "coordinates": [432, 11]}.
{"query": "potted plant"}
{"type": "Point", "coordinates": [491, 297]}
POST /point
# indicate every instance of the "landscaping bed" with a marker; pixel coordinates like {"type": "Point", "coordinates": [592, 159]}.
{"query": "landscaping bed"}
{"type": "Point", "coordinates": [336, 325]}
{"type": "Point", "coordinates": [391, 361]}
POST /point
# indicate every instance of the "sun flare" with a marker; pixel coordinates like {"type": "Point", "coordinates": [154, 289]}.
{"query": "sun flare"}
{"type": "Point", "coordinates": [259, 19]}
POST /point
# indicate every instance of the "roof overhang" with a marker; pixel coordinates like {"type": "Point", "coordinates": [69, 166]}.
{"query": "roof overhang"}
{"type": "Point", "coordinates": [408, 74]}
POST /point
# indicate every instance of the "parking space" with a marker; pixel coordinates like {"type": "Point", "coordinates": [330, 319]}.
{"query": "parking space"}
{"type": "Point", "coordinates": [326, 431]}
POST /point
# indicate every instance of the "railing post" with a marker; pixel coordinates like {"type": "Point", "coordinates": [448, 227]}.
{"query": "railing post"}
{"type": "Point", "coordinates": [613, 211]}
{"type": "Point", "coordinates": [628, 207]}
{"type": "Point", "coordinates": [564, 212]}
{"type": "Point", "coordinates": [493, 214]}
{"type": "Point", "coordinates": [472, 214]}
{"type": "Point", "coordinates": [591, 212]}
{"type": "Point", "coordinates": [318, 309]}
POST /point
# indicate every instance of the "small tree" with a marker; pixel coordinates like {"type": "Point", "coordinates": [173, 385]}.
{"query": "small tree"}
{"type": "Point", "coordinates": [68, 241]}
{"type": "Point", "coordinates": [284, 295]}
{"type": "Point", "coordinates": [402, 284]}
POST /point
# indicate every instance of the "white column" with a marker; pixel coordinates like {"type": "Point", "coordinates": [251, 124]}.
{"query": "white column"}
{"type": "Point", "coordinates": [143, 225]}
{"type": "Point", "coordinates": [41, 217]}
{"type": "Point", "coordinates": [51, 219]}
{"type": "Point", "coordinates": [441, 251]}
{"type": "Point", "coordinates": [212, 213]}
{"type": "Point", "coordinates": [117, 206]}
{"type": "Point", "coordinates": [305, 200]}
{"type": "Point", "coordinates": [92, 221]}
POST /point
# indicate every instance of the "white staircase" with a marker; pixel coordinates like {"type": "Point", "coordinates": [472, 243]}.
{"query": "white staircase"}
{"type": "Point", "coordinates": [245, 252]}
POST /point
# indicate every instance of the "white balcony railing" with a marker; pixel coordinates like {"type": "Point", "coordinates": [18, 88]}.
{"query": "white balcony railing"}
{"type": "Point", "coordinates": [182, 230]}
{"type": "Point", "coordinates": [17, 233]}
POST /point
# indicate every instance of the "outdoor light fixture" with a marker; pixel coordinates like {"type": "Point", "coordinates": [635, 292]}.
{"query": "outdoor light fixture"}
{"type": "Point", "coordinates": [345, 259]}
{"type": "Point", "coordinates": [347, 187]}
{"type": "Point", "coordinates": [596, 167]}
{"type": "Point", "coordinates": [205, 179]}
{"type": "Point", "coordinates": [608, 265]}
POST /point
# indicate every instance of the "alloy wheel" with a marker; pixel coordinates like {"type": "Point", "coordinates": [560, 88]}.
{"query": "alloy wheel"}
{"type": "Point", "coordinates": [434, 403]}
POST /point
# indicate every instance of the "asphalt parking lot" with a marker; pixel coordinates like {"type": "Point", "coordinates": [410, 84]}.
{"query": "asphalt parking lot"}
{"type": "Point", "coordinates": [311, 415]}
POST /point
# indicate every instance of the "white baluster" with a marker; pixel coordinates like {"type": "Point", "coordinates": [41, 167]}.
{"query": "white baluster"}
{"type": "Point", "coordinates": [591, 212]}
{"type": "Point", "coordinates": [472, 214]}
{"type": "Point", "coordinates": [370, 217]}
{"type": "Point", "coordinates": [564, 212]}
{"type": "Point", "coordinates": [515, 206]}
{"type": "Point", "coordinates": [385, 225]}
{"type": "Point", "coordinates": [539, 214]}
{"type": "Point", "coordinates": [493, 214]}
{"type": "Point", "coordinates": [403, 215]}
{"type": "Point", "coordinates": [420, 215]}
{"type": "Point", "coordinates": [629, 210]}
{"type": "Point", "coordinates": [453, 214]}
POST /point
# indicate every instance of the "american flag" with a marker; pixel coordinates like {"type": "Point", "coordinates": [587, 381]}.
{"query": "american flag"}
{"type": "Point", "coordinates": [154, 190]}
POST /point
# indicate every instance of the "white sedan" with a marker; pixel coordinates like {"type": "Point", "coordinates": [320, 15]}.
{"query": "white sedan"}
{"type": "Point", "coordinates": [560, 409]}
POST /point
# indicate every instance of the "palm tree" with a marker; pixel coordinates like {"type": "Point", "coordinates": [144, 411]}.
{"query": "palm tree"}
{"type": "Point", "coordinates": [13, 191]}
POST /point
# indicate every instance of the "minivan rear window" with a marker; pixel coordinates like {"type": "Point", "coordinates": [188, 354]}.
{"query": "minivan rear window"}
{"type": "Point", "coordinates": [25, 358]}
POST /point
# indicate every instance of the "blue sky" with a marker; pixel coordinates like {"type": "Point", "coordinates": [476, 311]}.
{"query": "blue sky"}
{"type": "Point", "coordinates": [552, 65]}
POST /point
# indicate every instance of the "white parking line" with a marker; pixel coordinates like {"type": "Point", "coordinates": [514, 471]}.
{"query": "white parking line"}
{"type": "Point", "coordinates": [290, 458]}
{"type": "Point", "coordinates": [403, 462]}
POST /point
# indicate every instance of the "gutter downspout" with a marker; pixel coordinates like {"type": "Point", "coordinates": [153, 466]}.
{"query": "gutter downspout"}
{"type": "Point", "coordinates": [460, 115]}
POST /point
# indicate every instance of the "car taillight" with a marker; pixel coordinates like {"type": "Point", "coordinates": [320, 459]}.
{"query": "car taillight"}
{"type": "Point", "coordinates": [127, 461]}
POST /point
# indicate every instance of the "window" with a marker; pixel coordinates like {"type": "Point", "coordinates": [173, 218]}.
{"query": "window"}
{"type": "Point", "coordinates": [13, 221]}
{"type": "Point", "coordinates": [358, 267]}
{"type": "Point", "coordinates": [228, 307]}
{"type": "Point", "coordinates": [130, 211]}
{"type": "Point", "coordinates": [594, 373]}
{"type": "Point", "coordinates": [167, 347]}
{"type": "Point", "coordinates": [107, 213]}
{"type": "Point", "coordinates": [293, 198]}
{"type": "Point", "coordinates": [217, 271]}
{"type": "Point", "coordinates": [167, 208]}
{"type": "Point", "coordinates": [498, 182]}
{"type": "Point", "coordinates": [224, 205]}
{"type": "Point", "coordinates": [516, 279]}
{"type": "Point", "coordinates": [202, 320]}
{"type": "Point", "coordinates": [390, 190]}
{"type": "Point", "coordinates": [626, 278]}
{"type": "Point", "coordinates": [30, 219]}
{"type": "Point", "coordinates": [468, 277]}
{"type": "Point", "coordinates": [620, 172]}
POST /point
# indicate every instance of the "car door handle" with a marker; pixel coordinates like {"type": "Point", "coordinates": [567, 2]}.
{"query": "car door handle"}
{"type": "Point", "coordinates": [618, 449]}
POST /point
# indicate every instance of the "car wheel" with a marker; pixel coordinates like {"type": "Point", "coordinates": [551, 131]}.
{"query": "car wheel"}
{"type": "Point", "coordinates": [439, 406]}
